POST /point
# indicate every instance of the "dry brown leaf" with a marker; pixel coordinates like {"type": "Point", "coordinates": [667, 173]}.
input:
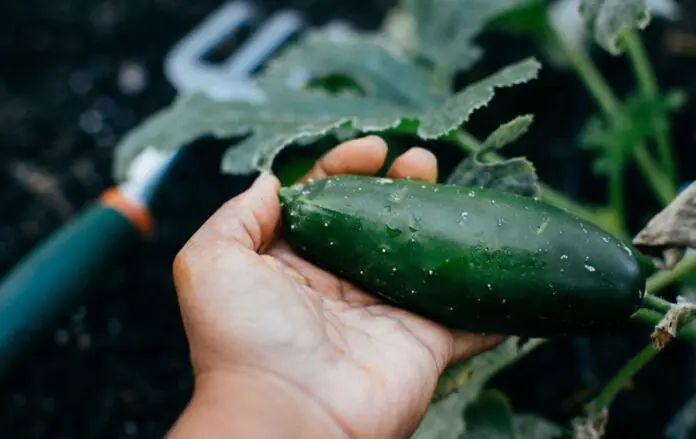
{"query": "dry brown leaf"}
{"type": "Point", "coordinates": [668, 234]}
{"type": "Point", "coordinates": [592, 427]}
{"type": "Point", "coordinates": [666, 330]}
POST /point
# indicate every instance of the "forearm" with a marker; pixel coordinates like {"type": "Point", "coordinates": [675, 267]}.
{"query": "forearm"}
{"type": "Point", "coordinates": [244, 405]}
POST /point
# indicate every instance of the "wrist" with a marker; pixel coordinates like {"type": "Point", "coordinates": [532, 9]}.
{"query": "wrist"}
{"type": "Point", "coordinates": [253, 404]}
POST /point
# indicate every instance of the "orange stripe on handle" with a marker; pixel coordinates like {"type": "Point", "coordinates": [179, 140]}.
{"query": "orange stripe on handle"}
{"type": "Point", "coordinates": [136, 213]}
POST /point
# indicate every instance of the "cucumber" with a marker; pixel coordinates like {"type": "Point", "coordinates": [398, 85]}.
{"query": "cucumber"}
{"type": "Point", "coordinates": [470, 259]}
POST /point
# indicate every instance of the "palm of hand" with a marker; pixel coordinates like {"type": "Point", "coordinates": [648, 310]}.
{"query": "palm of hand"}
{"type": "Point", "coordinates": [373, 367]}
{"type": "Point", "coordinates": [367, 360]}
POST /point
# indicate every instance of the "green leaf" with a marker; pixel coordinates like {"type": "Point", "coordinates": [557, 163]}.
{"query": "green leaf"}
{"type": "Point", "coordinates": [607, 20]}
{"type": "Point", "coordinates": [367, 59]}
{"type": "Point", "coordinates": [285, 117]}
{"type": "Point", "coordinates": [644, 118]}
{"type": "Point", "coordinates": [516, 175]}
{"type": "Point", "coordinates": [472, 374]}
{"type": "Point", "coordinates": [288, 115]}
{"type": "Point", "coordinates": [529, 18]}
{"type": "Point", "coordinates": [490, 417]}
{"type": "Point", "coordinates": [461, 384]}
{"type": "Point", "coordinates": [445, 31]}
{"type": "Point", "coordinates": [457, 109]}
{"type": "Point", "coordinates": [530, 426]}
{"type": "Point", "coordinates": [508, 132]}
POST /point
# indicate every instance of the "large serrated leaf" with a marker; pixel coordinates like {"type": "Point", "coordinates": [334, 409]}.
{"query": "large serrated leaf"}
{"type": "Point", "coordinates": [462, 383]}
{"type": "Point", "coordinates": [516, 175]}
{"type": "Point", "coordinates": [445, 30]}
{"type": "Point", "coordinates": [606, 20]}
{"type": "Point", "coordinates": [367, 59]}
{"type": "Point", "coordinates": [450, 116]}
{"type": "Point", "coordinates": [288, 115]}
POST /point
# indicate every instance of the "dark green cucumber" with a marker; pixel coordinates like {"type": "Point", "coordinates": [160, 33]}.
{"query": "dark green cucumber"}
{"type": "Point", "coordinates": [470, 259]}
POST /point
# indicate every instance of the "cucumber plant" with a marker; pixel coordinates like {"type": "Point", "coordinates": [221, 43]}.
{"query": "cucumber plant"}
{"type": "Point", "coordinates": [398, 80]}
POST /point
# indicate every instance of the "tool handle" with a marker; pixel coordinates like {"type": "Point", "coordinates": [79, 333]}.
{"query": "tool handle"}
{"type": "Point", "coordinates": [54, 273]}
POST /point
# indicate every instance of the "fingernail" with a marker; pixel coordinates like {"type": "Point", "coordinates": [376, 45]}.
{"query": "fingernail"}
{"type": "Point", "coordinates": [377, 139]}
{"type": "Point", "coordinates": [265, 178]}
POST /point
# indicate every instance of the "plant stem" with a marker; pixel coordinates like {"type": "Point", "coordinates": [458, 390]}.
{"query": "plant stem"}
{"type": "Point", "coordinates": [609, 104]}
{"type": "Point", "coordinates": [664, 278]}
{"type": "Point", "coordinates": [639, 61]}
{"type": "Point", "coordinates": [664, 149]}
{"type": "Point", "coordinates": [646, 79]}
{"type": "Point", "coordinates": [607, 395]}
{"type": "Point", "coordinates": [655, 308]}
{"type": "Point", "coordinates": [656, 304]}
{"type": "Point", "coordinates": [653, 314]}
{"type": "Point", "coordinates": [471, 144]}
{"type": "Point", "coordinates": [593, 80]}
{"type": "Point", "coordinates": [649, 317]}
{"type": "Point", "coordinates": [616, 194]}
{"type": "Point", "coordinates": [662, 187]}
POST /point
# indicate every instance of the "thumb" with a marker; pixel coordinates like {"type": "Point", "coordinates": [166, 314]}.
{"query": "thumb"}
{"type": "Point", "coordinates": [248, 220]}
{"type": "Point", "coordinates": [231, 235]}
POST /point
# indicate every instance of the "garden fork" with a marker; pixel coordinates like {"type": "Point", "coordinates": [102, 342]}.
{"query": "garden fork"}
{"type": "Point", "coordinates": [62, 267]}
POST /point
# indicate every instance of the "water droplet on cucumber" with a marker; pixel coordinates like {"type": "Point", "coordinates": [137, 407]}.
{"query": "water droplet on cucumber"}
{"type": "Point", "coordinates": [393, 232]}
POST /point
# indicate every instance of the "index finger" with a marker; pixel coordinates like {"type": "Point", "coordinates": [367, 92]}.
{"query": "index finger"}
{"type": "Point", "coordinates": [363, 156]}
{"type": "Point", "coordinates": [367, 155]}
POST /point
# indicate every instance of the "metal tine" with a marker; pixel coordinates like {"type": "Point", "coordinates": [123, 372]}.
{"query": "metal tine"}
{"type": "Point", "coordinates": [186, 70]}
{"type": "Point", "coordinates": [282, 26]}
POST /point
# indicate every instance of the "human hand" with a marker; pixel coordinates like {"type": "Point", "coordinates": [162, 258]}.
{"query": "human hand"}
{"type": "Point", "coordinates": [259, 317]}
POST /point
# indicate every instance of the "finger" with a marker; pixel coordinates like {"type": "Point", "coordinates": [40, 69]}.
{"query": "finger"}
{"type": "Point", "coordinates": [219, 267]}
{"type": "Point", "coordinates": [249, 219]}
{"type": "Point", "coordinates": [363, 156]}
{"type": "Point", "coordinates": [468, 344]}
{"type": "Point", "coordinates": [416, 163]}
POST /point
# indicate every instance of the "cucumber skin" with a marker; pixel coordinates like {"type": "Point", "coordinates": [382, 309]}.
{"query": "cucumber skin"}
{"type": "Point", "coordinates": [467, 258]}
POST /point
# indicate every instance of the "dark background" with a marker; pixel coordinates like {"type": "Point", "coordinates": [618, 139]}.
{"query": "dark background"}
{"type": "Point", "coordinates": [117, 365]}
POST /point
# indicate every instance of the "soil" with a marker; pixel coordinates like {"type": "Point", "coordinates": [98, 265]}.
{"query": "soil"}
{"type": "Point", "coordinates": [76, 75]}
